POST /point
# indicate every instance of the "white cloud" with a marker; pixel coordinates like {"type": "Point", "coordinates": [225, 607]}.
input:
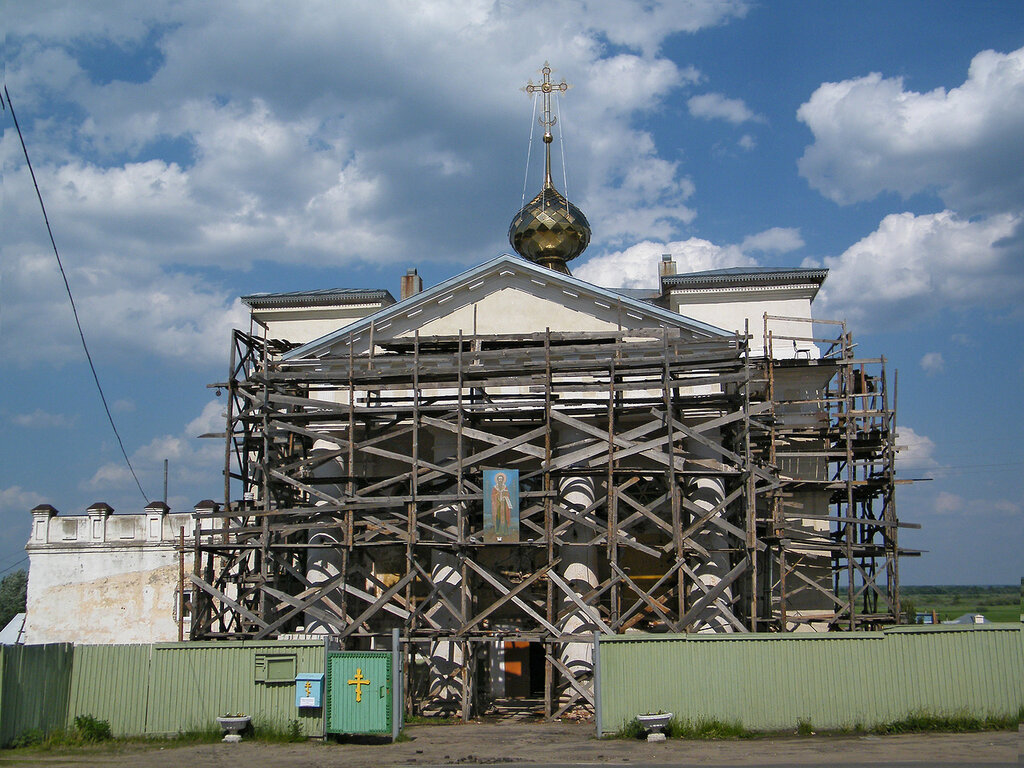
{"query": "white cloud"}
{"type": "Point", "coordinates": [192, 463]}
{"type": "Point", "coordinates": [330, 153]}
{"type": "Point", "coordinates": [637, 266]}
{"type": "Point", "coordinates": [40, 419]}
{"type": "Point", "coordinates": [916, 452]}
{"type": "Point", "coordinates": [947, 503]}
{"type": "Point", "coordinates": [715, 106]}
{"type": "Point", "coordinates": [871, 135]}
{"type": "Point", "coordinates": [913, 266]}
{"type": "Point", "coordinates": [774, 240]}
{"type": "Point", "coordinates": [15, 499]}
{"type": "Point", "coordinates": [128, 308]}
{"type": "Point", "coordinates": [310, 153]}
{"type": "Point", "coordinates": [747, 142]}
{"type": "Point", "coordinates": [932, 363]}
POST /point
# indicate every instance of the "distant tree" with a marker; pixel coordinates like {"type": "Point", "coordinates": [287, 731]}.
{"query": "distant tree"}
{"type": "Point", "coordinates": [13, 595]}
{"type": "Point", "coordinates": [910, 611]}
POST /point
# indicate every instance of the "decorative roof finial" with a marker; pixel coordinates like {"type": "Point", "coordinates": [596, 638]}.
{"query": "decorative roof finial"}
{"type": "Point", "coordinates": [547, 119]}
{"type": "Point", "coordinates": [549, 230]}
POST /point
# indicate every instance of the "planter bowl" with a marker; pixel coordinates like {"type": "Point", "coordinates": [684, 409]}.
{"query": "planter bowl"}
{"type": "Point", "coordinates": [655, 724]}
{"type": "Point", "coordinates": [232, 726]}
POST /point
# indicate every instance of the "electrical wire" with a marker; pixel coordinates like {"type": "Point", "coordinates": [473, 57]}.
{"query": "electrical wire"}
{"type": "Point", "coordinates": [561, 149]}
{"type": "Point", "coordinates": [529, 149]}
{"type": "Point", "coordinates": [71, 298]}
{"type": "Point", "coordinates": [11, 568]}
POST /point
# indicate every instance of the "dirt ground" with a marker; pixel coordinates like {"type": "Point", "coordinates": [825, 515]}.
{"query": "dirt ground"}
{"type": "Point", "coordinates": [554, 743]}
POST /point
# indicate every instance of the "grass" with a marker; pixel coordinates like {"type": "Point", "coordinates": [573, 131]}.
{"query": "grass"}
{"type": "Point", "coordinates": [93, 733]}
{"type": "Point", "coordinates": [925, 722]}
{"type": "Point", "coordinates": [997, 603]}
{"type": "Point", "coordinates": [434, 720]}
{"type": "Point", "coordinates": [679, 728]}
{"type": "Point", "coordinates": [917, 722]}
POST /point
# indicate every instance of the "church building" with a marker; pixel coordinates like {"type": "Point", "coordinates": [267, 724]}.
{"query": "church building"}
{"type": "Point", "coordinates": [513, 462]}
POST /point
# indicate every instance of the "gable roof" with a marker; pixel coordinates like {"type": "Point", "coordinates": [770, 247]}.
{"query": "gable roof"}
{"type": "Point", "coordinates": [504, 271]}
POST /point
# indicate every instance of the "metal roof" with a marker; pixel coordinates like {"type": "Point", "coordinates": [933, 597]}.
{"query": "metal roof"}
{"type": "Point", "coordinates": [748, 276]}
{"type": "Point", "coordinates": [319, 297]}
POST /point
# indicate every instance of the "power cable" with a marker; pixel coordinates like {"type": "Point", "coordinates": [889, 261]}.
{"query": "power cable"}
{"type": "Point", "coordinates": [11, 568]}
{"type": "Point", "coordinates": [71, 298]}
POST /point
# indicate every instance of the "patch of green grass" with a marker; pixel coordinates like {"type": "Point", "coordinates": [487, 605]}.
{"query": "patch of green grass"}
{"type": "Point", "coordinates": [198, 735]}
{"type": "Point", "coordinates": [434, 720]}
{"type": "Point", "coordinates": [924, 722]}
{"type": "Point", "coordinates": [630, 729]}
{"type": "Point", "coordinates": [997, 602]}
{"type": "Point", "coordinates": [706, 728]}
{"type": "Point", "coordinates": [88, 730]}
{"type": "Point", "coordinates": [804, 728]}
{"type": "Point", "coordinates": [277, 733]}
{"type": "Point", "coordinates": [92, 729]}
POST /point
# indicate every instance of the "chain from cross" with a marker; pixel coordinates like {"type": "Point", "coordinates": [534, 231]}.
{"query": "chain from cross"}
{"type": "Point", "coordinates": [547, 119]}
{"type": "Point", "coordinates": [359, 681]}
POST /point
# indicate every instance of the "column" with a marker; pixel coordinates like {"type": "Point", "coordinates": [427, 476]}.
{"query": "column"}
{"type": "Point", "coordinates": [707, 492]}
{"type": "Point", "coordinates": [579, 570]}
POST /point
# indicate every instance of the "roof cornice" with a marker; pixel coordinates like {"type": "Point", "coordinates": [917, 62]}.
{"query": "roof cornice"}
{"type": "Point", "coordinates": [332, 297]}
{"type": "Point", "coordinates": [727, 278]}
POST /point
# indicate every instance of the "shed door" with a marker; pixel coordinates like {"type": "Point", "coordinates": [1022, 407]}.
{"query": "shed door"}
{"type": "Point", "coordinates": [359, 692]}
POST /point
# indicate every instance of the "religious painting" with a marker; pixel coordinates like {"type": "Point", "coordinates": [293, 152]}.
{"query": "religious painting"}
{"type": "Point", "coordinates": [501, 505]}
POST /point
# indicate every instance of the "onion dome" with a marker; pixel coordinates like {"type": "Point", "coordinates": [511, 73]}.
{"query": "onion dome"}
{"type": "Point", "coordinates": [549, 230]}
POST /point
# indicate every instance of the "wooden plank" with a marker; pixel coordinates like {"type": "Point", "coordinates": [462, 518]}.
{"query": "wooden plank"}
{"type": "Point", "coordinates": [589, 611]}
{"type": "Point", "coordinates": [507, 594]}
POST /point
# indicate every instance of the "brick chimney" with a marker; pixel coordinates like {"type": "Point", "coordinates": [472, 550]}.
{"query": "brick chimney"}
{"type": "Point", "coordinates": [667, 266]}
{"type": "Point", "coordinates": [412, 284]}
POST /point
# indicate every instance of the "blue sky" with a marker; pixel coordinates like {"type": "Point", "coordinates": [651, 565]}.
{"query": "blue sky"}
{"type": "Point", "coordinates": [192, 152]}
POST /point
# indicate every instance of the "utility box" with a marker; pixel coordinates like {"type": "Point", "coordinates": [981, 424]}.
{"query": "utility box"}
{"type": "Point", "coordinates": [360, 694]}
{"type": "Point", "coordinates": [309, 688]}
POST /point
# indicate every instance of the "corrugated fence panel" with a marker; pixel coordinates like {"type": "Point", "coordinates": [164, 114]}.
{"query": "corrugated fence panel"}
{"type": "Point", "coordinates": [834, 680]}
{"type": "Point", "coordinates": [111, 682]}
{"type": "Point", "coordinates": [34, 692]}
{"type": "Point", "coordinates": [193, 683]}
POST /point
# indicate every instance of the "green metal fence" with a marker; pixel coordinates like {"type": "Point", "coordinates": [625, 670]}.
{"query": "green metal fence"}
{"type": "Point", "coordinates": [110, 682]}
{"type": "Point", "coordinates": [833, 680]}
{"type": "Point", "coordinates": [165, 688]}
{"type": "Point", "coordinates": [34, 683]}
{"type": "Point", "coordinates": [193, 683]}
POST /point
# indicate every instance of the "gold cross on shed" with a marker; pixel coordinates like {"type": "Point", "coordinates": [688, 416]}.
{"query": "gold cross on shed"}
{"type": "Point", "coordinates": [359, 681]}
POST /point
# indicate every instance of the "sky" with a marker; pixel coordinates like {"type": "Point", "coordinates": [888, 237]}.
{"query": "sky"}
{"type": "Point", "coordinates": [191, 152]}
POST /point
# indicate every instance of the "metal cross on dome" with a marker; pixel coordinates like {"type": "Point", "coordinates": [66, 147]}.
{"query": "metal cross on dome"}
{"type": "Point", "coordinates": [546, 87]}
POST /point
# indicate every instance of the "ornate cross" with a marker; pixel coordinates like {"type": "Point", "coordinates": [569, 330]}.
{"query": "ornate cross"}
{"type": "Point", "coordinates": [359, 681]}
{"type": "Point", "coordinates": [547, 119]}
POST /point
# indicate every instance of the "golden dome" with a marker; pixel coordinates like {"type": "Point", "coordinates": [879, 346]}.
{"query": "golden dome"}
{"type": "Point", "coordinates": [549, 230]}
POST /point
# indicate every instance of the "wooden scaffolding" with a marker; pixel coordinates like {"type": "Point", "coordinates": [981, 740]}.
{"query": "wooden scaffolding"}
{"type": "Point", "coordinates": [804, 451]}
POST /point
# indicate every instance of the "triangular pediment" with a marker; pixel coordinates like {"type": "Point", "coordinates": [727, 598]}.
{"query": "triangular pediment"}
{"type": "Point", "coordinates": [506, 295]}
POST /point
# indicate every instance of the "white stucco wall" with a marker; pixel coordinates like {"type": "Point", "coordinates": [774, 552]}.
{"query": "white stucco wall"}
{"type": "Point", "coordinates": [105, 578]}
{"type": "Point", "coordinates": [729, 310]}
{"type": "Point", "coordinates": [303, 324]}
{"type": "Point", "coordinates": [511, 310]}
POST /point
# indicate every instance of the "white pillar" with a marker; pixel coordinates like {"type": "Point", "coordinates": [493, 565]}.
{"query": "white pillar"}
{"type": "Point", "coordinates": [707, 492]}
{"type": "Point", "coordinates": [324, 564]}
{"type": "Point", "coordinates": [446, 656]}
{"type": "Point", "coordinates": [579, 569]}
